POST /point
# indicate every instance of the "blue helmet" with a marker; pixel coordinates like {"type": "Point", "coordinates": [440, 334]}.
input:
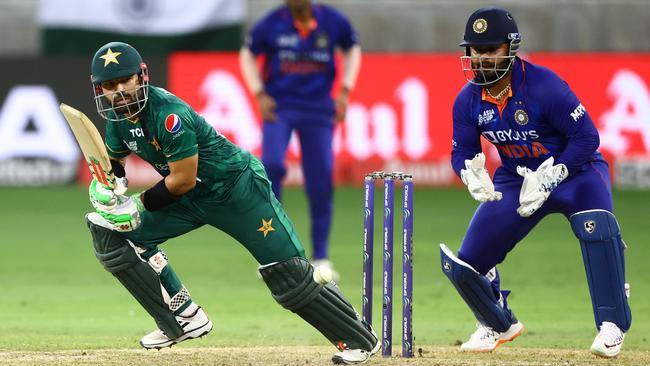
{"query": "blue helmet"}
{"type": "Point", "coordinates": [491, 26]}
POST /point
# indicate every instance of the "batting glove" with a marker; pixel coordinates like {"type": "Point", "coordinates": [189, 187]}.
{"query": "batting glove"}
{"type": "Point", "coordinates": [538, 185]}
{"type": "Point", "coordinates": [102, 196]}
{"type": "Point", "coordinates": [125, 214]}
{"type": "Point", "coordinates": [477, 179]}
{"type": "Point", "coordinates": [119, 210]}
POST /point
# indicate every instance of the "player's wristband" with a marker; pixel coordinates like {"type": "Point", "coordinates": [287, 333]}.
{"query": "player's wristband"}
{"type": "Point", "coordinates": [158, 197]}
{"type": "Point", "coordinates": [118, 169]}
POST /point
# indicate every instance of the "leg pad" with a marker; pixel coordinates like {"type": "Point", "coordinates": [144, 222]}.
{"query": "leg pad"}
{"type": "Point", "coordinates": [120, 258]}
{"type": "Point", "coordinates": [602, 254]}
{"type": "Point", "coordinates": [323, 306]}
{"type": "Point", "coordinates": [477, 292]}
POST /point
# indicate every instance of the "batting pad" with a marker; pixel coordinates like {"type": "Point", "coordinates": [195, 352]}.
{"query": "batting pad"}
{"type": "Point", "coordinates": [477, 292]}
{"type": "Point", "coordinates": [602, 254]}
{"type": "Point", "coordinates": [323, 306]}
{"type": "Point", "coordinates": [120, 259]}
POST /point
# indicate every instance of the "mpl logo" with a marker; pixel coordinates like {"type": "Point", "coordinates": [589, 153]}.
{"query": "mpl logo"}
{"type": "Point", "coordinates": [630, 114]}
{"type": "Point", "coordinates": [578, 112]}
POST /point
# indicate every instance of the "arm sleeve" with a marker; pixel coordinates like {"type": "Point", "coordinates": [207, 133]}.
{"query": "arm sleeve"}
{"type": "Point", "coordinates": [466, 140]}
{"type": "Point", "coordinates": [114, 144]}
{"type": "Point", "coordinates": [565, 113]}
{"type": "Point", "coordinates": [256, 41]}
{"type": "Point", "coordinates": [181, 143]}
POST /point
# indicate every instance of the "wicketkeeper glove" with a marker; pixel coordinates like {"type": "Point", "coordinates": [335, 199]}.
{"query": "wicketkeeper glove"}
{"type": "Point", "coordinates": [122, 212]}
{"type": "Point", "coordinates": [477, 179]}
{"type": "Point", "coordinates": [538, 185]}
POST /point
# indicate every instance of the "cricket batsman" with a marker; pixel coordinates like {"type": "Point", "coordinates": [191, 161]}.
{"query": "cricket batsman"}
{"type": "Point", "coordinates": [549, 164]}
{"type": "Point", "coordinates": [205, 180]}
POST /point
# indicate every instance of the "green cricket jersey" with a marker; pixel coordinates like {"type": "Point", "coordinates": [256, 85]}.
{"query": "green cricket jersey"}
{"type": "Point", "coordinates": [169, 130]}
{"type": "Point", "coordinates": [232, 192]}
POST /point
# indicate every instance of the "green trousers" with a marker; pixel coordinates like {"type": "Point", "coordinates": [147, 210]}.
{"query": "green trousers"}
{"type": "Point", "coordinates": [249, 212]}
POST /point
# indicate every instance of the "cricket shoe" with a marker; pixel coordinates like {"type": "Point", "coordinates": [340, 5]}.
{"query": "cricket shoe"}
{"type": "Point", "coordinates": [326, 263]}
{"type": "Point", "coordinates": [609, 340]}
{"type": "Point", "coordinates": [356, 356]}
{"type": "Point", "coordinates": [194, 326]}
{"type": "Point", "coordinates": [486, 339]}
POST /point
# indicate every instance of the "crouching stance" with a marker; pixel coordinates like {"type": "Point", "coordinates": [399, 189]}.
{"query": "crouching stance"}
{"type": "Point", "coordinates": [548, 145]}
{"type": "Point", "coordinates": [206, 180]}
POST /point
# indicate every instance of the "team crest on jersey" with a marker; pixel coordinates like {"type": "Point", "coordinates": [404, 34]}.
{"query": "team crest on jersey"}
{"type": "Point", "coordinates": [155, 144]}
{"type": "Point", "coordinates": [172, 123]}
{"type": "Point", "coordinates": [486, 117]}
{"type": "Point", "coordinates": [322, 40]}
{"type": "Point", "coordinates": [521, 117]}
{"type": "Point", "coordinates": [480, 25]}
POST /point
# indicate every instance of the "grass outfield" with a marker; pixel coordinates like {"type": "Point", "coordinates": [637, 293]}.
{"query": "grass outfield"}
{"type": "Point", "coordinates": [56, 296]}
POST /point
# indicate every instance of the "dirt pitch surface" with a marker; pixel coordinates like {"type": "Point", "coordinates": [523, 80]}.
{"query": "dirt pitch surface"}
{"type": "Point", "coordinates": [281, 356]}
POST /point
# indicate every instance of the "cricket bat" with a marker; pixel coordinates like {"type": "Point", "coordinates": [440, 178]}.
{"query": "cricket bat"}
{"type": "Point", "coordinates": [91, 144]}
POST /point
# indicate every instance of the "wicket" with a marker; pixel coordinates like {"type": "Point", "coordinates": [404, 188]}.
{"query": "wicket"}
{"type": "Point", "coordinates": [407, 257]}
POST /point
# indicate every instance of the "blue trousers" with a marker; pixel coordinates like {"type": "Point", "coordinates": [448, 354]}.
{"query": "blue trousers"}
{"type": "Point", "coordinates": [496, 226]}
{"type": "Point", "coordinates": [315, 133]}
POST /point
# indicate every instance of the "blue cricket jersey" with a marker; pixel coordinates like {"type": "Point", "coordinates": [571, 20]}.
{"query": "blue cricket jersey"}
{"type": "Point", "coordinates": [299, 66]}
{"type": "Point", "coordinates": [542, 118]}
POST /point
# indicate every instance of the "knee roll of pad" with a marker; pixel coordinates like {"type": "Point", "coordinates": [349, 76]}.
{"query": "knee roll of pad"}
{"type": "Point", "coordinates": [323, 306]}
{"type": "Point", "coordinates": [602, 254]}
{"type": "Point", "coordinates": [119, 258]}
{"type": "Point", "coordinates": [111, 249]}
{"type": "Point", "coordinates": [477, 292]}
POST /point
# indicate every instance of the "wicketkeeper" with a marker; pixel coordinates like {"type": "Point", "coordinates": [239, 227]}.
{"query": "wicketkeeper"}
{"type": "Point", "coordinates": [206, 180]}
{"type": "Point", "coordinates": [548, 145]}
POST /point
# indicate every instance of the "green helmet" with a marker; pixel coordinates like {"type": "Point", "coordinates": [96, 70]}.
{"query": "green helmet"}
{"type": "Point", "coordinates": [117, 60]}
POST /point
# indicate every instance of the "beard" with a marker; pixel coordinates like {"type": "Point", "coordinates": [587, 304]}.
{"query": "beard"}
{"type": "Point", "coordinates": [490, 73]}
{"type": "Point", "coordinates": [123, 105]}
{"type": "Point", "coordinates": [127, 104]}
{"type": "Point", "coordinates": [486, 77]}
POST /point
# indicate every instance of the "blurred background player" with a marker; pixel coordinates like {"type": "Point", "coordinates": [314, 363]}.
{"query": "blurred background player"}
{"type": "Point", "coordinates": [206, 180]}
{"type": "Point", "coordinates": [550, 164]}
{"type": "Point", "coordinates": [298, 41]}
